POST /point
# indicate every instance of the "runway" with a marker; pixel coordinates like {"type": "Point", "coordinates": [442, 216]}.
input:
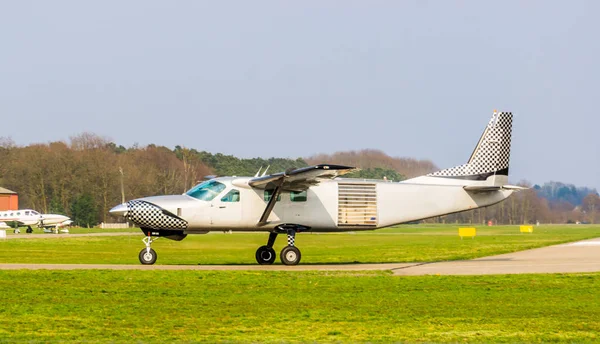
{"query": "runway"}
{"type": "Point", "coordinates": [582, 256]}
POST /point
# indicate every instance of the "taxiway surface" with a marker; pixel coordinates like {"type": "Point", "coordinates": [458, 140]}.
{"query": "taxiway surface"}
{"type": "Point", "coordinates": [581, 256]}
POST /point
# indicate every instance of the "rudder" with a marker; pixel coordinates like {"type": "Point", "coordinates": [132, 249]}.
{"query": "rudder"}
{"type": "Point", "coordinates": [491, 156]}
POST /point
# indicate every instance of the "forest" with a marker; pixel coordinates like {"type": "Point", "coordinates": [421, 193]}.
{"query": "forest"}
{"type": "Point", "coordinates": [83, 178]}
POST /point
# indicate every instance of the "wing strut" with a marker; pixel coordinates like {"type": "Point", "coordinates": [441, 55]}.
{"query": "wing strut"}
{"type": "Point", "coordinates": [271, 204]}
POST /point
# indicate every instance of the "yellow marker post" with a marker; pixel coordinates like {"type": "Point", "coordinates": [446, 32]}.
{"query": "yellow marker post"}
{"type": "Point", "coordinates": [526, 229]}
{"type": "Point", "coordinates": [467, 232]}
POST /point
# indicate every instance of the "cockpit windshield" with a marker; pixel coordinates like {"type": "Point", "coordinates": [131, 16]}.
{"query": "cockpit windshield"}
{"type": "Point", "coordinates": [206, 191]}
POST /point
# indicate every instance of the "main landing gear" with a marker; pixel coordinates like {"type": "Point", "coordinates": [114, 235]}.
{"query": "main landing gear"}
{"type": "Point", "coordinates": [148, 255]}
{"type": "Point", "coordinates": [290, 255]}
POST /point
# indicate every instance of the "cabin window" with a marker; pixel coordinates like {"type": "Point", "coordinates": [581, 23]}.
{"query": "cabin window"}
{"type": "Point", "coordinates": [19, 214]}
{"type": "Point", "coordinates": [231, 196]}
{"type": "Point", "coordinates": [269, 194]}
{"type": "Point", "coordinates": [27, 213]}
{"type": "Point", "coordinates": [206, 191]}
{"type": "Point", "coordinates": [298, 196]}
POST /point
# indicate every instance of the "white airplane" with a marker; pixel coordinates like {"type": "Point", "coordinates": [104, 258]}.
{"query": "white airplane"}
{"type": "Point", "coordinates": [28, 217]}
{"type": "Point", "coordinates": [314, 199]}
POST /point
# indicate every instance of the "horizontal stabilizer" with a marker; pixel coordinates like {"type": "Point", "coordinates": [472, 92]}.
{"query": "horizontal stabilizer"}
{"type": "Point", "coordinates": [477, 188]}
{"type": "Point", "coordinates": [488, 188]}
{"type": "Point", "coordinates": [514, 187]}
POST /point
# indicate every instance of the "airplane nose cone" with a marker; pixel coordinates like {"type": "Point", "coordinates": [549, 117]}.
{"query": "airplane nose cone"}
{"type": "Point", "coordinates": [120, 210]}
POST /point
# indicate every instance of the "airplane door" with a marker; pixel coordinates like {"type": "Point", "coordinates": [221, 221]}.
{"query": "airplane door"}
{"type": "Point", "coordinates": [297, 209]}
{"type": "Point", "coordinates": [227, 210]}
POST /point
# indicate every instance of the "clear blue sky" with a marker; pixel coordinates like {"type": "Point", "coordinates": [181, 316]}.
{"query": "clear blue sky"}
{"type": "Point", "coordinates": [293, 78]}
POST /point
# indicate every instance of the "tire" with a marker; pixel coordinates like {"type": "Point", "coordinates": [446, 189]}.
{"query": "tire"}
{"type": "Point", "coordinates": [265, 255]}
{"type": "Point", "coordinates": [290, 255]}
{"type": "Point", "coordinates": [147, 258]}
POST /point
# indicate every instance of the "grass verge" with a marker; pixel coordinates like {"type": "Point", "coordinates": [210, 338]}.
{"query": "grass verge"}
{"type": "Point", "coordinates": [222, 306]}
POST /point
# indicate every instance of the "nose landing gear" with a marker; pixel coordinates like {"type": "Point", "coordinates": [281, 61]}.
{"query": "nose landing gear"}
{"type": "Point", "coordinates": [148, 255]}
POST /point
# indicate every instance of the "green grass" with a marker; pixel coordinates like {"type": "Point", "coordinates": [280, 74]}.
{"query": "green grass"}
{"type": "Point", "coordinates": [419, 243]}
{"type": "Point", "coordinates": [203, 306]}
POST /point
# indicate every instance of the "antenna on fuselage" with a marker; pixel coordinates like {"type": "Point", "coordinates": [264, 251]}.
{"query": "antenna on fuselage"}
{"type": "Point", "coordinates": [265, 172]}
{"type": "Point", "coordinates": [257, 173]}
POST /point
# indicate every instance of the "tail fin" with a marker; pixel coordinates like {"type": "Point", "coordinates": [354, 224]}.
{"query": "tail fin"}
{"type": "Point", "coordinates": [490, 157]}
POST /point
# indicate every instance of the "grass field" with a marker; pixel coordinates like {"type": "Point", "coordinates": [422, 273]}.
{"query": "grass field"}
{"type": "Point", "coordinates": [264, 306]}
{"type": "Point", "coordinates": [418, 243]}
{"type": "Point", "coordinates": [201, 306]}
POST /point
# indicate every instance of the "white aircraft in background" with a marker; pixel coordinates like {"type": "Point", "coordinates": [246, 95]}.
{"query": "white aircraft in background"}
{"type": "Point", "coordinates": [29, 218]}
{"type": "Point", "coordinates": [314, 199]}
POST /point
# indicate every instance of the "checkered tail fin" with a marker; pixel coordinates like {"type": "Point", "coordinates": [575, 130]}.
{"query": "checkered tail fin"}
{"type": "Point", "coordinates": [490, 159]}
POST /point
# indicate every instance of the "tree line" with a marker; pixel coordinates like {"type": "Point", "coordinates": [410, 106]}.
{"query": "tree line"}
{"type": "Point", "coordinates": [88, 175]}
{"type": "Point", "coordinates": [530, 207]}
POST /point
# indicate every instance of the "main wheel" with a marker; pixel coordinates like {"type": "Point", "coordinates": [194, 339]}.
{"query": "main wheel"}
{"type": "Point", "coordinates": [265, 255]}
{"type": "Point", "coordinates": [290, 255]}
{"type": "Point", "coordinates": [147, 257]}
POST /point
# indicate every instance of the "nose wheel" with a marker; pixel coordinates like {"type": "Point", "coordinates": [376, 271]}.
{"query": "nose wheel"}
{"type": "Point", "coordinates": [148, 255]}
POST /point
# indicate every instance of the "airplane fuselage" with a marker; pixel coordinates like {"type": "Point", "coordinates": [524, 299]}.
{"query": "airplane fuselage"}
{"type": "Point", "coordinates": [331, 206]}
{"type": "Point", "coordinates": [28, 217]}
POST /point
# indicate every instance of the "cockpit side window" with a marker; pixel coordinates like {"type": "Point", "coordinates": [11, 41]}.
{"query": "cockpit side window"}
{"type": "Point", "coordinates": [269, 193]}
{"type": "Point", "coordinates": [206, 191]}
{"type": "Point", "coordinates": [298, 196]}
{"type": "Point", "coordinates": [231, 196]}
{"type": "Point", "coordinates": [33, 212]}
{"type": "Point", "coordinates": [27, 213]}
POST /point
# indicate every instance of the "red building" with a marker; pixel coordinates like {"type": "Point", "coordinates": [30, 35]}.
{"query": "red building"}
{"type": "Point", "coordinates": [9, 200]}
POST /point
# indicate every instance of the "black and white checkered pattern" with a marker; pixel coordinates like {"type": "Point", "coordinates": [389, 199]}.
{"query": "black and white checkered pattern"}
{"type": "Point", "coordinates": [492, 153]}
{"type": "Point", "coordinates": [148, 215]}
{"type": "Point", "coordinates": [291, 238]}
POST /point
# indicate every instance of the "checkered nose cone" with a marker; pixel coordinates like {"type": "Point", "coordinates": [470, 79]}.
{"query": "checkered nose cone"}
{"type": "Point", "coordinates": [148, 215]}
{"type": "Point", "coordinates": [492, 153]}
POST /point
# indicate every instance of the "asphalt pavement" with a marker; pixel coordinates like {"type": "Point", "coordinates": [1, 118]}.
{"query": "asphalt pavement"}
{"type": "Point", "coordinates": [576, 257]}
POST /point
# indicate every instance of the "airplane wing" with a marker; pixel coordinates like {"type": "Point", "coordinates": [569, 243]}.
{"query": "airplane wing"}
{"type": "Point", "coordinates": [298, 179]}
{"type": "Point", "coordinates": [12, 223]}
